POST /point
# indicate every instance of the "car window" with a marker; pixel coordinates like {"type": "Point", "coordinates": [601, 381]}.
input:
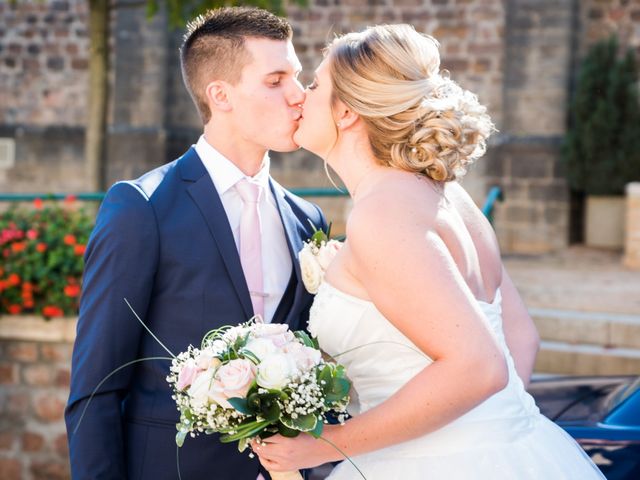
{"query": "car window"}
{"type": "Point", "coordinates": [626, 409]}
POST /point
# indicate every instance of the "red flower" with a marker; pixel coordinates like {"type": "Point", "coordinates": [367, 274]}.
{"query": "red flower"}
{"type": "Point", "coordinates": [18, 247]}
{"type": "Point", "coordinates": [14, 309]}
{"type": "Point", "coordinates": [13, 280]}
{"type": "Point", "coordinates": [32, 234]}
{"type": "Point", "coordinates": [52, 311]}
{"type": "Point", "coordinates": [27, 303]}
{"type": "Point", "coordinates": [72, 290]}
{"type": "Point", "coordinates": [27, 287]}
{"type": "Point", "coordinates": [79, 249]}
{"type": "Point", "coordinates": [41, 247]}
{"type": "Point", "coordinates": [70, 199]}
{"type": "Point", "coordinates": [37, 203]}
{"type": "Point", "coordinates": [69, 239]}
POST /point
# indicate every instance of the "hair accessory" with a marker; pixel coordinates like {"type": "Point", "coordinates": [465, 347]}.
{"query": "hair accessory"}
{"type": "Point", "coordinates": [414, 150]}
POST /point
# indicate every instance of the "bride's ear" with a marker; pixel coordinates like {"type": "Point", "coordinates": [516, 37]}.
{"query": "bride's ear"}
{"type": "Point", "coordinates": [344, 116]}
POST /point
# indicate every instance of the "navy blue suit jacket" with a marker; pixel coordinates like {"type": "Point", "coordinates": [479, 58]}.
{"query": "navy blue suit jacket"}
{"type": "Point", "coordinates": [163, 242]}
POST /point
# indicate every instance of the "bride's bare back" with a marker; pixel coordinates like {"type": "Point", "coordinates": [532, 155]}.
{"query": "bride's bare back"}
{"type": "Point", "coordinates": [445, 210]}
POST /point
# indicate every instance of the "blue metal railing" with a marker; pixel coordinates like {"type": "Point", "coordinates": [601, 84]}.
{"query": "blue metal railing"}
{"type": "Point", "coordinates": [495, 194]}
{"type": "Point", "coordinates": [98, 196]}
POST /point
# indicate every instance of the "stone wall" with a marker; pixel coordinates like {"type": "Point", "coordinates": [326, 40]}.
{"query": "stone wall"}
{"type": "Point", "coordinates": [519, 56]}
{"type": "Point", "coordinates": [43, 62]}
{"type": "Point", "coordinates": [34, 386]}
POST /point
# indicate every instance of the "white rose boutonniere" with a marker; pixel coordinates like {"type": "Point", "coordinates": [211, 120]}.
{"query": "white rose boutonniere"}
{"type": "Point", "coordinates": [315, 257]}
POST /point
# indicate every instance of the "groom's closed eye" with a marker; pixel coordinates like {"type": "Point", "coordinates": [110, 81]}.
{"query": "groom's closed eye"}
{"type": "Point", "coordinates": [313, 85]}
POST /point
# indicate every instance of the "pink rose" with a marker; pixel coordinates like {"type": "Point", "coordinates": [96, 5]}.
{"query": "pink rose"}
{"type": "Point", "coordinates": [281, 339]}
{"type": "Point", "coordinates": [304, 357]}
{"type": "Point", "coordinates": [187, 375]}
{"type": "Point", "coordinates": [269, 329]}
{"type": "Point", "coordinates": [232, 380]}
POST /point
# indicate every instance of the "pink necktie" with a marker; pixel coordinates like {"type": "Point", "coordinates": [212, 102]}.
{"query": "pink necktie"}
{"type": "Point", "coordinates": [251, 243]}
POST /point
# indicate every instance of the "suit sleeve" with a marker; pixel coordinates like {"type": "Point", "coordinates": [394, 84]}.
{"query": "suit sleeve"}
{"type": "Point", "coordinates": [120, 262]}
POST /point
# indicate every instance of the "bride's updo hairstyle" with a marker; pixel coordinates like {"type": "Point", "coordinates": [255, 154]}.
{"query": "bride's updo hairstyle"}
{"type": "Point", "coordinates": [417, 118]}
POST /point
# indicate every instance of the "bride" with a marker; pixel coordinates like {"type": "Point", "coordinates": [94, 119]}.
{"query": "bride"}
{"type": "Point", "coordinates": [438, 340]}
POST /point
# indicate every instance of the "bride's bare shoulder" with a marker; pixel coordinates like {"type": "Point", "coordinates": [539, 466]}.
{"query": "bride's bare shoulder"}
{"type": "Point", "coordinates": [399, 202]}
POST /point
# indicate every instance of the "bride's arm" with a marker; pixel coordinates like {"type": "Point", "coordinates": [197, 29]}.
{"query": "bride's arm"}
{"type": "Point", "coordinates": [519, 330]}
{"type": "Point", "coordinates": [411, 277]}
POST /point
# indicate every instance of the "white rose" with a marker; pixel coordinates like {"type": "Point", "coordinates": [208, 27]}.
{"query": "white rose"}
{"type": "Point", "coordinates": [275, 371]}
{"type": "Point", "coordinates": [199, 390]}
{"type": "Point", "coordinates": [260, 347]}
{"type": "Point", "coordinates": [311, 271]}
{"type": "Point", "coordinates": [327, 253]}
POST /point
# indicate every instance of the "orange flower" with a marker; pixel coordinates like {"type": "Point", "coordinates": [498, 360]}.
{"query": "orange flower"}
{"type": "Point", "coordinates": [41, 247]}
{"type": "Point", "coordinates": [52, 311]}
{"type": "Point", "coordinates": [18, 247]}
{"type": "Point", "coordinates": [27, 303]}
{"type": "Point", "coordinates": [72, 290]}
{"type": "Point", "coordinates": [14, 309]}
{"type": "Point", "coordinates": [69, 239]}
{"type": "Point", "coordinates": [3, 285]}
{"type": "Point", "coordinates": [27, 286]}
{"type": "Point", "coordinates": [37, 203]}
{"type": "Point", "coordinates": [13, 280]}
{"type": "Point", "coordinates": [79, 249]}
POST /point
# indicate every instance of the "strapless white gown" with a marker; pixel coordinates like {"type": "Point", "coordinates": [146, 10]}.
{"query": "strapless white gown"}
{"type": "Point", "coordinates": [505, 437]}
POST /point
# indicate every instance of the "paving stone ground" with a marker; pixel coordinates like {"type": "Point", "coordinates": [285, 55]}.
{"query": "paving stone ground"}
{"type": "Point", "coordinates": [577, 278]}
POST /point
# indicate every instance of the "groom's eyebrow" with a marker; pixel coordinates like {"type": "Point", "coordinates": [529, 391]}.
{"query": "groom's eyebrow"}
{"type": "Point", "coordinates": [285, 71]}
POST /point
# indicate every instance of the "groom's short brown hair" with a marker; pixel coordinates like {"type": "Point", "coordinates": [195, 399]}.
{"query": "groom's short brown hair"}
{"type": "Point", "coordinates": [214, 47]}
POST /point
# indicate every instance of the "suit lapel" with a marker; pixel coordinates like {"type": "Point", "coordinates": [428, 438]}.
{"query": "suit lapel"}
{"type": "Point", "coordinates": [204, 194]}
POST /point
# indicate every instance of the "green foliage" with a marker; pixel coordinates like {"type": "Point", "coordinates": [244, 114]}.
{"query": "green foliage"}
{"type": "Point", "coordinates": [181, 11]}
{"type": "Point", "coordinates": [602, 147]}
{"type": "Point", "coordinates": [42, 258]}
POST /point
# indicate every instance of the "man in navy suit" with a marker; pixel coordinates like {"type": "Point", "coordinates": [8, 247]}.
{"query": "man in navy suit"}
{"type": "Point", "coordinates": [168, 242]}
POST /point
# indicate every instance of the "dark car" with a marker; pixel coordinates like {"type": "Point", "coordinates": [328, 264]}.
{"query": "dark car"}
{"type": "Point", "coordinates": [601, 413]}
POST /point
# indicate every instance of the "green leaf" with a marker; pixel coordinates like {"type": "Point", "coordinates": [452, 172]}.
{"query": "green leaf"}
{"type": "Point", "coordinates": [180, 436]}
{"type": "Point", "coordinates": [317, 432]}
{"type": "Point", "coordinates": [306, 339]}
{"type": "Point", "coordinates": [241, 405]}
{"type": "Point", "coordinates": [286, 431]}
{"type": "Point", "coordinates": [250, 430]}
{"type": "Point", "coordinates": [304, 423]}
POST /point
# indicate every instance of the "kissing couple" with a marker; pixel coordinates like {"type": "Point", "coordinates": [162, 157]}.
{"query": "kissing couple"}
{"type": "Point", "coordinates": [211, 239]}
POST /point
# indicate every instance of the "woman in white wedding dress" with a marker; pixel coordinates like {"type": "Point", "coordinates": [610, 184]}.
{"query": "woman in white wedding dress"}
{"type": "Point", "coordinates": [438, 340]}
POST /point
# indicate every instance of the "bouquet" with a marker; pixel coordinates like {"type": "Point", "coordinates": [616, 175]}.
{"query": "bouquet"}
{"type": "Point", "coordinates": [315, 256]}
{"type": "Point", "coordinates": [256, 379]}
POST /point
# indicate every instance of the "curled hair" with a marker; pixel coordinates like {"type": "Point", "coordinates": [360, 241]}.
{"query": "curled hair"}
{"type": "Point", "coordinates": [417, 118]}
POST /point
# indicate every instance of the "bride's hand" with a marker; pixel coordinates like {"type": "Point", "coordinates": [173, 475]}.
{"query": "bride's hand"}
{"type": "Point", "coordinates": [282, 454]}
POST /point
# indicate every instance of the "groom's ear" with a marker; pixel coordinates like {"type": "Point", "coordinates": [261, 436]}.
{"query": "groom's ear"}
{"type": "Point", "coordinates": [217, 93]}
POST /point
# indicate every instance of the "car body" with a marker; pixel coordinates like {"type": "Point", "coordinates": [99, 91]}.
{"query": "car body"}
{"type": "Point", "coordinates": [601, 413]}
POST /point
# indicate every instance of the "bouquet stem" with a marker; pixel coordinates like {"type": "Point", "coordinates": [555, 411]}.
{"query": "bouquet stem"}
{"type": "Point", "coordinates": [294, 475]}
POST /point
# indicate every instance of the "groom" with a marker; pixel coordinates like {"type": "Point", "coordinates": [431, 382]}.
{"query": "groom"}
{"type": "Point", "coordinates": [207, 240]}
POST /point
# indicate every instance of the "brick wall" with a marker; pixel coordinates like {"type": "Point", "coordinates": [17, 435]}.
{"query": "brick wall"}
{"type": "Point", "coordinates": [34, 381]}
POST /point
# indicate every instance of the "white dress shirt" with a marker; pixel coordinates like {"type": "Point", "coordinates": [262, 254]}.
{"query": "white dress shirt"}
{"type": "Point", "coordinates": [276, 260]}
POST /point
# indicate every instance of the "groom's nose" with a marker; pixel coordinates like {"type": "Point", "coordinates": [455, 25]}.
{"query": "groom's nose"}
{"type": "Point", "coordinates": [297, 95]}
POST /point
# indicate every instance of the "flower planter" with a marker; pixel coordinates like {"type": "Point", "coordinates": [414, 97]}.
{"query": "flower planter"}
{"type": "Point", "coordinates": [34, 328]}
{"type": "Point", "coordinates": [632, 237]}
{"type": "Point", "coordinates": [605, 220]}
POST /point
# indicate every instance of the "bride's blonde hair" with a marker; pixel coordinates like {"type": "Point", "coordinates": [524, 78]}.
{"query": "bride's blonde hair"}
{"type": "Point", "coordinates": [417, 118]}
